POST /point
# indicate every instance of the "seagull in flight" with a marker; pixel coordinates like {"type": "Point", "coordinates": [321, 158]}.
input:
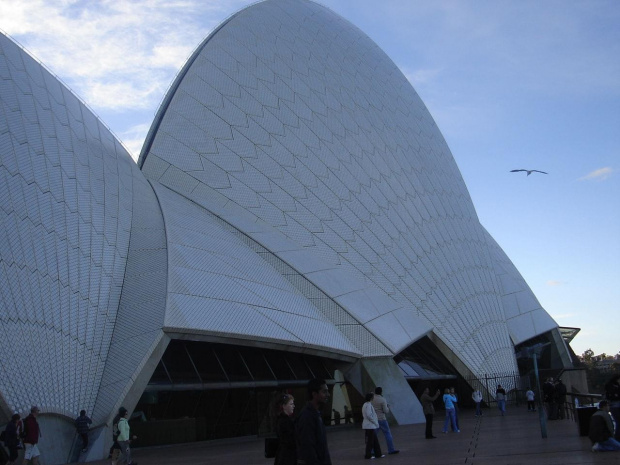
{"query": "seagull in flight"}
{"type": "Point", "coordinates": [528, 171]}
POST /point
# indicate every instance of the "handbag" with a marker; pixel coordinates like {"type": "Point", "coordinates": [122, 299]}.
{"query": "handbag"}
{"type": "Point", "coordinates": [271, 447]}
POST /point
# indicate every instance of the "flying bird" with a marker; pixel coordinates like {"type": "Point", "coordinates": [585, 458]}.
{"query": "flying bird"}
{"type": "Point", "coordinates": [529, 171]}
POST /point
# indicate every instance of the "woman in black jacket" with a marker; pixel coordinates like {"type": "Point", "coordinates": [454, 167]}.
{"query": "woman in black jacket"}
{"type": "Point", "coordinates": [11, 440]}
{"type": "Point", "coordinates": [285, 429]}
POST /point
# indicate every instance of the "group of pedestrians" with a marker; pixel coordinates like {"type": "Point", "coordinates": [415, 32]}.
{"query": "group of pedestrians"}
{"type": "Point", "coordinates": [374, 419]}
{"type": "Point", "coordinates": [450, 402]}
{"type": "Point", "coordinates": [554, 395]}
{"type": "Point", "coordinates": [23, 434]}
{"type": "Point", "coordinates": [303, 440]}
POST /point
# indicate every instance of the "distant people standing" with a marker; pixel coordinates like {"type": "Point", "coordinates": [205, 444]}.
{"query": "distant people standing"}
{"type": "Point", "coordinates": [82, 425]}
{"type": "Point", "coordinates": [285, 430]}
{"type": "Point", "coordinates": [500, 396]}
{"type": "Point", "coordinates": [11, 439]}
{"type": "Point", "coordinates": [336, 416]}
{"type": "Point", "coordinates": [381, 407]}
{"type": "Point", "coordinates": [559, 399]}
{"type": "Point", "coordinates": [125, 438]}
{"type": "Point", "coordinates": [548, 393]}
{"type": "Point", "coordinates": [429, 411]}
{"type": "Point", "coordinates": [602, 430]}
{"type": "Point", "coordinates": [370, 425]}
{"type": "Point", "coordinates": [456, 407]}
{"type": "Point", "coordinates": [448, 402]}
{"type": "Point", "coordinates": [309, 428]}
{"type": "Point", "coordinates": [476, 396]}
{"type": "Point", "coordinates": [348, 416]}
{"type": "Point", "coordinates": [612, 394]}
{"type": "Point", "coordinates": [529, 395]}
{"type": "Point", "coordinates": [32, 433]}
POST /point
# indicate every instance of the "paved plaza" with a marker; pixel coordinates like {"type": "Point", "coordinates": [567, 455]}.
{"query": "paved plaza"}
{"type": "Point", "coordinates": [514, 439]}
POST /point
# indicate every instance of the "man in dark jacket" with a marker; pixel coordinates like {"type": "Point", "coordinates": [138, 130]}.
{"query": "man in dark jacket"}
{"type": "Point", "coordinates": [559, 399]}
{"type": "Point", "coordinates": [32, 433]}
{"type": "Point", "coordinates": [82, 425]}
{"type": "Point", "coordinates": [612, 394]}
{"type": "Point", "coordinates": [602, 430]}
{"type": "Point", "coordinates": [311, 438]}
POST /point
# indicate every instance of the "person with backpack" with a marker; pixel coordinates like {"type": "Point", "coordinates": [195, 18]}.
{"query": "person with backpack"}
{"type": "Point", "coordinates": [115, 448]}
{"type": "Point", "coordinates": [82, 425]}
{"type": "Point", "coordinates": [124, 437]}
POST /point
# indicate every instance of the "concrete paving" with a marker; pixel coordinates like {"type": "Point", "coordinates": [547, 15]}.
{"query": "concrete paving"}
{"type": "Point", "coordinates": [514, 439]}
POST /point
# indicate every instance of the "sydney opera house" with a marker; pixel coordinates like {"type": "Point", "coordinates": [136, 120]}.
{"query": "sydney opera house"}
{"type": "Point", "coordinates": [294, 213]}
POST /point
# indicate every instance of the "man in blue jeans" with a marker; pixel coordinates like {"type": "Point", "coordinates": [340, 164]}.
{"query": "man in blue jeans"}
{"type": "Point", "coordinates": [381, 407]}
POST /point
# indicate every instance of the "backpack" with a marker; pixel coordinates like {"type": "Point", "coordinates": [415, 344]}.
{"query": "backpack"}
{"type": "Point", "coordinates": [115, 431]}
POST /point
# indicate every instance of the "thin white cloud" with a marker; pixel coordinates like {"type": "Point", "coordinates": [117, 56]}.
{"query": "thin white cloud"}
{"type": "Point", "coordinates": [114, 54]}
{"type": "Point", "coordinates": [598, 175]}
{"type": "Point", "coordinates": [421, 77]}
{"type": "Point", "coordinates": [563, 316]}
{"type": "Point", "coordinates": [133, 138]}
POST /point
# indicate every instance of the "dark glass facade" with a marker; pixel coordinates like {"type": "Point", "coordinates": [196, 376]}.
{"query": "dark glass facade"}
{"type": "Point", "coordinates": [205, 391]}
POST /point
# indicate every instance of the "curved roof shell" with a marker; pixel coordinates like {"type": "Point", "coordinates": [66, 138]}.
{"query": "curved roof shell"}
{"type": "Point", "coordinates": [291, 125]}
{"type": "Point", "coordinates": [67, 193]}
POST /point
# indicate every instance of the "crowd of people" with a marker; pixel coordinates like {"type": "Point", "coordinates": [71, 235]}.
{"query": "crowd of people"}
{"type": "Point", "coordinates": [554, 395]}
{"type": "Point", "coordinates": [304, 439]}
{"type": "Point", "coordinates": [24, 434]}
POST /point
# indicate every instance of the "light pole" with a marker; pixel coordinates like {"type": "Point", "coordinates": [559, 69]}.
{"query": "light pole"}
{"type": "Point", "coordinates": [533, 352]}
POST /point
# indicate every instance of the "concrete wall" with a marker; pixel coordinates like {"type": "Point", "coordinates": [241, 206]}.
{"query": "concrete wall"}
{"type": "Point", "coordinates": [366, 374]}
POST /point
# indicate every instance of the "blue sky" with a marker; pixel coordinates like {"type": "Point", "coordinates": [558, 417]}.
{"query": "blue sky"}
{"type": "Point", "coordinates": [511, 84]}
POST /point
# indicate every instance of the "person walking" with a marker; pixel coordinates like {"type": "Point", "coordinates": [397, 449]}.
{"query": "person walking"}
{"type": "Point", "coordinates": [82, 425]}
{"type": "Point", "coordinates": [370, 425]}
{"type": "Point", "coordinates": [125, 438]}
{"type": "Point", "coordinates": [381, 407]}
{"type": "Point", "coordinates": [476, 396]}
{"type": "Point", "coordinates": [11, 439]}
{"type": "Point", "coordinates": [602, 430]}
{"type": "Point", "coordinates": [285, 430]}
{"type": "Point", "coordinates": [500, 396]}
{"type": "Point", "coordinates": [448, 402]}
{"type": "Point", "coordinates": [429, 411]}
{"type": "Point", "coordinates": [309, 429]}
{"type": "Point", "coordinates": [529, 395]}
{"type": "Point", "coordinates": [32, 433]}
